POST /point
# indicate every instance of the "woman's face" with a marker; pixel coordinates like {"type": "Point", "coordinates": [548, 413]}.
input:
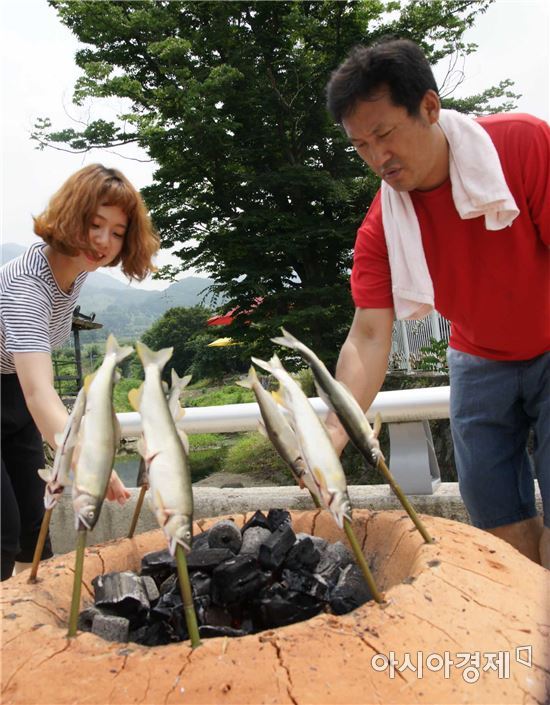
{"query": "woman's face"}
{"type": "Point", "coordinates": [106, 236]}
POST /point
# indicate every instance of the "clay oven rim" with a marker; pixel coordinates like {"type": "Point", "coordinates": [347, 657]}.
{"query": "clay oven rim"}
{"type": "Point", "coordinates": [394, 548]}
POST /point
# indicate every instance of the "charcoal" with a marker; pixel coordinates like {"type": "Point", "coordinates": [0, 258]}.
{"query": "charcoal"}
{"type": "Point", "coordinates": [303, 554]}
{"type": "Point", "coordinates": [216, 616]}
{"type": "Point", "coordinates": [306, 583]}
{"type": "Point", "coordinates": [225, 534]}
{"type": "Point", "coordinates": [236, 579]}
{"type": "Point", "coordinates": [273, 551]}
{"type": "Point", "coordinates": [169, 609]}
{"type": "Point", "coordinates": [335, 557]}
{"type": "Point", "coordinates": [319, 542]}
{"type": "Point", "coordinates": [110, 627]}
{"type": "Point", "coordinates": [208, 558]}
{"type": "Point", "coordinates": [121, 593]}
{"type": "Point", "coordinates": [155, 634]}
{"type": "Point", "coordinates": [168, 584]}
{"type": "Point", "coordinates": [253, 539]}
{"type": "Point", "coordinates": [200, 540]}
{"type": "Point", "coordinates": [202, 605]}
{"type": "Point", "coordinates": [277, 517]}
{"type": "Point", "coordinates": [86, 618]}
{"type": "Point", "coordinates": [200, 583]}
{"type": "Point", "coordinates": [206, 631]}
{"type": "Point", "coordinates": [150, 587]}
{"type": "Point", "coordinates": [257, 519]}
{"type": "Point", "coordinates": [277, 610]}
{"type": "Point", "coordinates": [158, 564]}
{"type": "Point", "coordinates": [350, 592]}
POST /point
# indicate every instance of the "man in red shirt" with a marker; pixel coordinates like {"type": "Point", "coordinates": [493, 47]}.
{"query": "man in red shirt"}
{"type": "Point", "coordinates": [493, 284]}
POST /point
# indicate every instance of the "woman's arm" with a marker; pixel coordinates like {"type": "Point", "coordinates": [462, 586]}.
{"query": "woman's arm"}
{"type": "Point", "coordinates": [35, 374]}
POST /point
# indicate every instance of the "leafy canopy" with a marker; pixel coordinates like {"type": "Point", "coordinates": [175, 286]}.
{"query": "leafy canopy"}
{"type": "Point", "coordinates": [255, 185]}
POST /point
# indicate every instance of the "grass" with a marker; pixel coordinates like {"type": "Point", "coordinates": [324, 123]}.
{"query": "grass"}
{"type": "Point", "coordinates": [230, 394]}
{"type": "Point", "coordinates": [120, 393]}
{"type": "Point", "coordinates": [254, 454]}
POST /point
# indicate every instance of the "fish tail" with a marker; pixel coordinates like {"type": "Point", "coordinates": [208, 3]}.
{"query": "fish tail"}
{"type": "Point", "coordinates": [180, 382]}
{"type": "Point", "coordinates": [287, 340]}
{"type": "Point", "coordinates": [263, 364]}
{"type": "Point", "coordinates": [249, 381]}
{"type": "Point", "coordinates": [150, 357]}
{"type": "Point", "coordinates": [120, 351]}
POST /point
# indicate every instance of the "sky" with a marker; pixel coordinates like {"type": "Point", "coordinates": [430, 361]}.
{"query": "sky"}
{"type": "Point", "coordinates": [38, 76]}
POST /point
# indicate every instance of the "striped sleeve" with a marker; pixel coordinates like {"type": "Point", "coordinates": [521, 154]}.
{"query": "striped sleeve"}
{"type": "Point", "coordinates": [26, 315]}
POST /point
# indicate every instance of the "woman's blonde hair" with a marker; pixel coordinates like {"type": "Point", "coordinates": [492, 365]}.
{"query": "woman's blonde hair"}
{"type": "Point", "coordinates": [65, 223]}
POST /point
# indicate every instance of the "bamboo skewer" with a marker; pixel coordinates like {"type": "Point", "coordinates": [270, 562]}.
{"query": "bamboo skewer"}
{"type": "Point", "coordinates": [187, 597]}
{"type": "Point", "coordinates": [361, 560]}
{"type": "Point", "coordinates": [137, 510]}
{"type": "Point", "coordinates": [39, 548]}
{"type": "Point", "coordinates": [77, 584]}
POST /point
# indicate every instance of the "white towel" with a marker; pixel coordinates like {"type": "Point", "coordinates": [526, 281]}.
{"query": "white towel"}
{"type": "Point", "coordinates": [478, 188]}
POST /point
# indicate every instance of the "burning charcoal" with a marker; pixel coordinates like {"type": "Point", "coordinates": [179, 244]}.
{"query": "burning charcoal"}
{"type": "Point", "coordinates": [257, 519]}
{"type": "Point", "coordinates": [121, 593]}
{"type": "Point", "coordinates": [168, 584]}
{"type": "Point", "coordinates": [86, 618]}
{"type": "Point", "coordinates": [277, 517]}
{"type": "Point", "coordinates": [111, 628]}
{"type": "Point", "coordinates": [206, 631]}
{"type": "Point", "coordinates": [225, 534]}
{"type": "Point", "coordinates": [278, 611]}
{"type": "Point", "coordinates": [335, 557]}
{"type": "Point", "coordinates": [200, 583]}
{"type": "Point", "coordinates": [236, 579]}
{"type": "Point", "coordinates": [253, 539]}
{"type": "Point", "coordinates": [275, 548]}
{"type": "Point", "coordinates": [150, 587]}
{"type": "Point", "coordinates": [350, 592]}
{"type": "Point", "coordinates": [303, 554]}
{"type": "Point", "coordinates": [306, 583]}
{"type": "Point", "coordinates": [158, 564]}
{"type": "Point", "coordinates": [208, 558]}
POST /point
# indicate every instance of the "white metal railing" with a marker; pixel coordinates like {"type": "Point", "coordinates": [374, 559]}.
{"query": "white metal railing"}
{"type": "Point", "coordinates": [408, 337]}
{"type": "Point", "coordinates": [407, 412]}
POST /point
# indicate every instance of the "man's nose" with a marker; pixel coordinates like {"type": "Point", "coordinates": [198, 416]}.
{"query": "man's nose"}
{"type": "Point", "coordinates": [378, 156]}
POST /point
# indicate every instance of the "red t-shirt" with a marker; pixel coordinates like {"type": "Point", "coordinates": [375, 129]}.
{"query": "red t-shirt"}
{"type": "Point", "coordinates": [494, 286]}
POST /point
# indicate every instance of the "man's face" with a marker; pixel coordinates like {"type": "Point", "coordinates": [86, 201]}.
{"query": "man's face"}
{"type": "Point", "coordinates": [406, 152]}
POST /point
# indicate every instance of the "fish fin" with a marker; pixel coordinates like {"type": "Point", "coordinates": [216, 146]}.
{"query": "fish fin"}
{"type": "Point", "coordinates": [150, 357]}
{"type": "Point", "coordinates": [244, 383]}
{"type": "Point", "coordinates": [134, 397]}
{"type": "Point", "coordinates": [45, 474]}
{"type": "Point", "coordinates": [165, 387]}
{"type": "Point", "coordinates": [120, 351]}
{"type": "Point", "coordinates": [184, 439]}
{"type": "Point", "coordinates": [262, 363]}
{"type": "Point", "coordinates": [276, 394]}
{"type": "Point", "coordinates": [178, 381]}
{"type": "Point", "coordinates": [377, 424]}
{"type": "Point", "coordinates": [287, 340]}
{"type": "Point", "coordinates": [161, 509]}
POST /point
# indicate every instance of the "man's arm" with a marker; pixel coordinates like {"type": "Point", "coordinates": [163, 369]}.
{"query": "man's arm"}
{"type": "Point", "coordinates": [363, 362]}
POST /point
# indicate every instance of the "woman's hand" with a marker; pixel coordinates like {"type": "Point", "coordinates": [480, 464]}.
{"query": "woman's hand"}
{"type": "Point", "coordinates": [117, 492]}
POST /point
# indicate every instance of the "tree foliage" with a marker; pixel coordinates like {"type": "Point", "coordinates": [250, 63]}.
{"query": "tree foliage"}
{"type": "Point", "coordinates": [255, 185]}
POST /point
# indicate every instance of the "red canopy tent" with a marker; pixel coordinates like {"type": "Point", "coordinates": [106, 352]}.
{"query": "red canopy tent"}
{"type": "Point", "coordinates": [226, 319]}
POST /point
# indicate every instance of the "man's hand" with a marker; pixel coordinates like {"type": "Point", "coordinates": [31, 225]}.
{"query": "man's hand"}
{"type": "Point", "coordinates": [117, 492]}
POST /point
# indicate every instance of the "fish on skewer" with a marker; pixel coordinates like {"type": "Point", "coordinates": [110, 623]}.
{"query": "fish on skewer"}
{"type": "Point", "coordinates": [168, 470]}
{"type": "Point", "coordinates": [98, 438]}
{"type": "Point", "coordinates": [274, 426]}
{"type": "Point", "coordinates": [176, 409]}
{"type": "Point", "coordinates": [314, 442]}
{"type": "Point", "coordinates": [59, 476]}
{"type": "Point", "coordinates": [338, 397]}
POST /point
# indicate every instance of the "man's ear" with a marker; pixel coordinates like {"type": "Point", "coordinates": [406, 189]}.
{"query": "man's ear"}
{"type": "Point", "coordinates": [431, 106]}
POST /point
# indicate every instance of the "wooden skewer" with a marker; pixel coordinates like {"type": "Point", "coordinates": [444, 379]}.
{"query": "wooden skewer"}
{"type": "Point", "coordinates": [187, 597]}
{"type": "Point", "coordinates": [361, 560]}
{"type": "Point", "coordinates": [39, 548]}
{"type": "Point", "coordinates": [137, 510]}
{"type": "Point", "coordinates": [77, 584]}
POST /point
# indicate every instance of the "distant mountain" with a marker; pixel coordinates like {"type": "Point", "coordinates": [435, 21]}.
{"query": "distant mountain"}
{"type": "Point", "coordinates": [128, 311]}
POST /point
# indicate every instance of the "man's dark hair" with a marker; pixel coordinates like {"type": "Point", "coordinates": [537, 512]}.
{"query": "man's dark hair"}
{"type": "Point", "coordinates": [398, 64]}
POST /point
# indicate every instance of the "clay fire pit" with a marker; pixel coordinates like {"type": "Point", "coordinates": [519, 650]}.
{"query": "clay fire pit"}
{"type": "Point", "coordinates": [456, 602]}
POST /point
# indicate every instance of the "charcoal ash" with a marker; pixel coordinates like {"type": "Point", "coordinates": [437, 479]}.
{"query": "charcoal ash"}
{"type": "Point", "coordinates": [260, 577]}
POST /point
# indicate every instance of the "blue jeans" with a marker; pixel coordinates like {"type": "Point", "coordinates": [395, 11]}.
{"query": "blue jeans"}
{"type": "Point", "coordinates": [494, 404]}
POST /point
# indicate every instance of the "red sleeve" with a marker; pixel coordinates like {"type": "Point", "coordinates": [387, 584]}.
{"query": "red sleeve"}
{"type": "Point", "coordinates": [536, 176]}
{"type": "Point", "coordinates": [370, 275]}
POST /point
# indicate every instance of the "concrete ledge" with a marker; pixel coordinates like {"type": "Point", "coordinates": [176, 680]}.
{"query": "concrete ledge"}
{"type": "Point", "coordinates": [115, 521]}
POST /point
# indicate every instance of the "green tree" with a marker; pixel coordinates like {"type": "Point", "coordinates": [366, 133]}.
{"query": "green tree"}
{"type": "Point", "coordinates": [255, 184]}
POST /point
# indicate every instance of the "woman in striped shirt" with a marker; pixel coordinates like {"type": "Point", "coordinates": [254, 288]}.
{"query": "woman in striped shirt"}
{"type": "Point", "coordinates": [96, 219]}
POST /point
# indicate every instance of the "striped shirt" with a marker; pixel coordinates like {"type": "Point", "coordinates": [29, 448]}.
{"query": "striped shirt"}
{"type": "Point", "coordinates": [35, 314]}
